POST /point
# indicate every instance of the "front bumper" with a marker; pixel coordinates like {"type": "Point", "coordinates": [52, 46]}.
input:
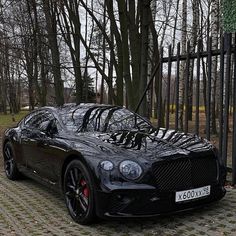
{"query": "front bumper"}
{"type": "Point", "coordinates": [141, 202]}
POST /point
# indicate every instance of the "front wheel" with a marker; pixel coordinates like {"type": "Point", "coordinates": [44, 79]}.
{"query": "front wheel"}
{"type": "Point", "coordinates": [79, 192]}
{"type": "Point", "coordinates": [10, 166]}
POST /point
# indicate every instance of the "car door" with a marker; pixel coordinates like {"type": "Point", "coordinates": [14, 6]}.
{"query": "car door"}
{"type": "Point", "coordinates": [37, 146]}
{"type": "Point", "coordinates": [28, 141]}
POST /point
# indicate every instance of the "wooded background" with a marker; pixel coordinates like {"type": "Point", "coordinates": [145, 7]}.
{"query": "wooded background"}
{"type": "Point", "coordinates": [52, 52]}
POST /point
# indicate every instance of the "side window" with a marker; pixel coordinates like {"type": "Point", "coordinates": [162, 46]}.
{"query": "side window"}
{"type": "Point", "coordinates": [31, 119]}
{"type": "Point", "coordinates": [38, 120]}
{"type": "Point", "coordinates": [58, 126]}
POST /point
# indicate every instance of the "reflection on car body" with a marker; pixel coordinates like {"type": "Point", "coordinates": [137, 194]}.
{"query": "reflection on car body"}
{"type": "Point", "coordinates": [110, 162]}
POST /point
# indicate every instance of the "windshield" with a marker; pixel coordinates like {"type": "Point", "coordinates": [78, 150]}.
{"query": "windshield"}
{"type": "Point", "coordinates": [102, 119]}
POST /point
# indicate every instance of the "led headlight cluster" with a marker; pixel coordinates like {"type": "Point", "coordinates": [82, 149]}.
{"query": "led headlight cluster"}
{"type": "Point", "coordinates": [130, 170]}
{"type": "Point", "coordinates": [107, 165]}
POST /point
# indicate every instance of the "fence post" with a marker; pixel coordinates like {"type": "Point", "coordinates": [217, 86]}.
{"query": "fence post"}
{"type": "Point", "coordinates": [234, 120]}
{"type": "Point", "coordinates": [177, 89]}
{"type": "Point", "coordinates": [208, 108]}
{"type": "Point", "coordinates": [168, 89]}
{"type": "Point", "coordinates": [198, 87]}
{"type": "Point", "coordinates": [186, 87]}
{"type": "Point", "coordinates": [221, 89]}
{"type": "Point", "coordinates": [226, 107]}
{"type": "Point", "coordinates": [159, 102]}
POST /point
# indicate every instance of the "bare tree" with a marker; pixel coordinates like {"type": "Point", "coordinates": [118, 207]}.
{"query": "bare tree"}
{"type": "Point", "coordinates": [71, 30]}
{"type": "Point", "coordinates": [194, 38]}
{"type": "Point", "coordinates": [50, 11]}
{"type": "Point", "coordinates": [215, 40]}
{"type": "Point", "coordinates": [183, 64]}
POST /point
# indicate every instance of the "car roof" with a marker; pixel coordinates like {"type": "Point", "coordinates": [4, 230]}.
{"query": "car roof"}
{"type": "Point", "coordinates": [70, 106]}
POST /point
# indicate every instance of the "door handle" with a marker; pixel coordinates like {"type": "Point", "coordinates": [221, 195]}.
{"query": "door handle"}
{"type": "Point", "coordinates": [42, 144]}
{"type": "Point", "coordinates": [25, 139]}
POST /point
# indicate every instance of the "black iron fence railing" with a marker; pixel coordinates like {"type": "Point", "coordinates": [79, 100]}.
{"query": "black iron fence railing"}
{"type": "Point", "coordinates": [197, 93]}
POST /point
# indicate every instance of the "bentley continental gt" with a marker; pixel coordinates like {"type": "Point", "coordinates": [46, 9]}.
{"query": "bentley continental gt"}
{"type": "Point", "coordinates": [110, 162]}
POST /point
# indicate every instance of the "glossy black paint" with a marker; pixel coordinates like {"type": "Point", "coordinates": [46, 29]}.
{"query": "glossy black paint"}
{"type": "Point", "coordinates": [47, 140]}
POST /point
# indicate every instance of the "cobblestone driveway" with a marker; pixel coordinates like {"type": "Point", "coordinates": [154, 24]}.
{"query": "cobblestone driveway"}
{"type": "Point", "coordinates": [27, 208]}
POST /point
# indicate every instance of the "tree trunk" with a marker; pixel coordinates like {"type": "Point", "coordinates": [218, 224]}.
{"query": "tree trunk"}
{"type": "Point", "coordinates": [135, 45]}
{"type": "Point", "coordinates": [145, 6]}
{"type": "Point", "coordinates": [183, 63]}
{"type": "Point", "coordinates": [125, 52]}
{"type": "Point", "coordinates": [103, 58]}
{"type": "Point", "coordinates": [214, 34]}
{"type": "Point", "coordinates": [195, 31]}
{"type": "Point", "coordinates": [49, 7]}
{"type": "Point", "coordinates": [119, 68]}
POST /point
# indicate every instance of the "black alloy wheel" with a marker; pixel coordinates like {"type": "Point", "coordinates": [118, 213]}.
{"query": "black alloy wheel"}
{"type": "Point", "coordinates": [79, 193]}
{"type": "Point", "coordinates": [10, 166]}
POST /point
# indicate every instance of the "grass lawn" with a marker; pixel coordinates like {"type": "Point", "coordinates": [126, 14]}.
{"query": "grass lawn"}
{"type": "Point", "coordinates": [7, 120]}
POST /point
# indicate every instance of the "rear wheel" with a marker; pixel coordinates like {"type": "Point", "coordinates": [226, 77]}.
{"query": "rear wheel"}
{"type": "Point", "coordinates": [10, 166]}
{"type": "Point", "coordinates": [79, 192]}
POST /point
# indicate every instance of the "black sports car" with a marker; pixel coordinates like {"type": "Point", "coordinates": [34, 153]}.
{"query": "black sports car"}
{"type": "Point", "coordinates": [110, 162]}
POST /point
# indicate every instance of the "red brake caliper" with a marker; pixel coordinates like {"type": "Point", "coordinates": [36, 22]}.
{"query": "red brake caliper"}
{"type": "Point", "coordinates": [85, 188]}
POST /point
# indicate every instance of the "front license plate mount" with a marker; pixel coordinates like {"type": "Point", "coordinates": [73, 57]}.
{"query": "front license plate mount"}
{"type": "Point", "coordinates": [192, 194]}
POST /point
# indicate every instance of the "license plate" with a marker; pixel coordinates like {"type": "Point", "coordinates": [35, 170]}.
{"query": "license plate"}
{"type": "Point", "coordinates": [191, 194]}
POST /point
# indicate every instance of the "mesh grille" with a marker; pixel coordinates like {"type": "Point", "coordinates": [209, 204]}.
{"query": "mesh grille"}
{"type": "Point", "coordinates": [184, 173]}
{"type": "Point", "coordinates": [204, 171]}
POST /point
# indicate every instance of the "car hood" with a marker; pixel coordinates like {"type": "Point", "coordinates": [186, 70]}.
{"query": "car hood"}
{"type": "Point", "coordinates": [152, 145]}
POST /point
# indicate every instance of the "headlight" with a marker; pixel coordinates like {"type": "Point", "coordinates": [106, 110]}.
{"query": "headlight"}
{"type": "Point", "coordinates": [130, 169]}
{"type": "Point", "coordinates": [107, 165]}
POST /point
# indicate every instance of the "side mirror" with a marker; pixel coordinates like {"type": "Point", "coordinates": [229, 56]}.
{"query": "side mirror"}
{"type": "Point", "coordinates": [51, 128]}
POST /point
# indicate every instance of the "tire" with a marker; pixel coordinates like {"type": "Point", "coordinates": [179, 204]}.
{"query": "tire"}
{"type": "Point", "coordinates": [79, 192]}
{"type": "Point", "coordinates": [10, 165]}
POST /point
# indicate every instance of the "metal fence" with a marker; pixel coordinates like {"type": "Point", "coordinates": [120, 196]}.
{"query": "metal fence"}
{"type": "Point", "coordinates": [208, 79]}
